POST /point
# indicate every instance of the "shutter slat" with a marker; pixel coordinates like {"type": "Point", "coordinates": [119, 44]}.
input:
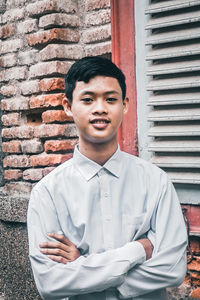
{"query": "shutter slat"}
{"type": "Point", "coordinates": [184, 177]}
{"type": "Point", "coordinates": [175, 19]}
{"type": "Point", "coordinates": [170, 5]}
{"type": "Point", "coordinates": [175, 130]}
{"type": "Point", "coordinates": [174, 67]}
{"type": "Point", "coordinates": [172, 36]}
{"type": "Point", "coordinates": [172, 52]}
{"type": "Point", "coordinates": [177, 161]}
{"type": "Point", "coordinates": [174, 99]}
{"type": "Point", "coordinates": [174, 146]}
{"type": "Point", "coordinates": [174, 83]}
{"type": "Point", "coordinates": [183, 114]}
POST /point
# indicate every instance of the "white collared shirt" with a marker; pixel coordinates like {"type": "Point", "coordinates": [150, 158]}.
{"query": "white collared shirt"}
{"type": "Point", "coordinates": [103, 210]}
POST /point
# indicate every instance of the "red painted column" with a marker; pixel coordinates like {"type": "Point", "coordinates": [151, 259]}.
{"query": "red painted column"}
{"type": "Point", "coordinates": [123, 54]}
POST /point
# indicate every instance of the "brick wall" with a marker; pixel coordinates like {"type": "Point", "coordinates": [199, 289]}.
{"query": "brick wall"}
{"type": "Point", "coordinates": [39, 42]}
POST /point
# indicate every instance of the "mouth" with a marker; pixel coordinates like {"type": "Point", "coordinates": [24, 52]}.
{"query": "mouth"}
{"type": "Point", "coordinates": [99, 121]}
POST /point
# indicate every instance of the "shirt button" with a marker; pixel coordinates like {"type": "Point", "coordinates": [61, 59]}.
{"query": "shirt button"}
{"type": "Point", "coordinates": [106, 195]}
{"type": "Point", "coordinates": [101, 172]}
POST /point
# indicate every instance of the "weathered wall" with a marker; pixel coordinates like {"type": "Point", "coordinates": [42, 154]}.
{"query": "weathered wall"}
{"type": "Point", "coordinates": [39, 42]}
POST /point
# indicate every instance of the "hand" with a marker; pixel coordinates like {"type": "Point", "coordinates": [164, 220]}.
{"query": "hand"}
{"type": "Point", "coordinates": [148, 247]}
{"type": "Point", "coordinates": [62, 250]}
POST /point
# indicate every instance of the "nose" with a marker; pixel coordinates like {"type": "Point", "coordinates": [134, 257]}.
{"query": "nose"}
{"type": "Point", "coordinates": [100, 107]}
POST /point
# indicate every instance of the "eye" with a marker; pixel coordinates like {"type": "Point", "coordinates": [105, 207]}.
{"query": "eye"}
{"type": "Point", "coordinates": [111, 99]}
{"type": "Point", "coordinates": [87, 100]}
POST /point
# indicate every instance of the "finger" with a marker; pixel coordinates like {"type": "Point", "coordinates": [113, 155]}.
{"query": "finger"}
{"type": "Point", "coordinates": [58, 259]}
{"type": "Point", "coordinates": [55, 245]}
{"type": "Point", "coordinates": [61, 238]}
{"type": "Point", "coordinates": [55, 252]}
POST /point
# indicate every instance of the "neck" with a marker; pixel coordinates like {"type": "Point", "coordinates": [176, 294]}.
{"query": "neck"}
{"type": "Point", "coordinates": [98, 152]}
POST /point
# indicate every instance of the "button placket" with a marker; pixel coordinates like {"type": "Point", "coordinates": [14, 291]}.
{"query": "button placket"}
{"type": "Point", "coordinates": [106, 209]}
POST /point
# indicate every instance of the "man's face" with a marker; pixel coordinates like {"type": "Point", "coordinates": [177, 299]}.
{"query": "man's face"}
{"type": "Point", "coordinates": [98, 109]}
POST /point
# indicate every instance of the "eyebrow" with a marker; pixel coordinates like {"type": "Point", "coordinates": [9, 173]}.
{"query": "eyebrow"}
{"type": "Point", "coordinates": [93, 93]}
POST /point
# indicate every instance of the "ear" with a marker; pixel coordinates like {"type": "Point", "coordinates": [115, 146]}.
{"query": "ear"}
{"type": "Point", "coordinates": [67, 105]}
{"type": "Point", "coordinates": [126, 105]}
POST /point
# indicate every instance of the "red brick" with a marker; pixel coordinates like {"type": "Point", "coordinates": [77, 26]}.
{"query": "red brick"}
{"type": "Point", "coordinates": [12, 119]}
{"type": "Point", "coordinates": [17, 188]}
{"type": "Point", "coordinates": [6, 31]}
{"type": "Point", "coordinates": [55, 130]}
{"type": "Point", "coordinates": [33, 174]}
{"type": "Point", "coordinates": [48, 159]}
{"type": "Point", "coordinates": [59, 145]}
{"type": "Point", "coordinates": [28, 57]}
{"type": "Point", "coordinates": [196, 293]}
{"type": "Point", "coordinates": [13, 15]}
{"type": "Point", "coordinates": [49, 68]}
{"type": "Point", "coordinates": [61, 51]}
{"type": "Point", "coordinates": [96, 4]}
{"type": "Point", "coordinates": [18, 103]}
{"type": "Point", "coordinates": [47, 170]}
{"type": "Point", "coordinates": [98, 34]}
{"type": "Point", "coordinates": [12, 174]}
{"type": "Point", "coordinates": [11, 46]}
{"type": "Point", "coordinates": [60, 19]}
{"type": "Point", "coordinates": [187, 280]}
{"type": "Point", "coordinates": [53, 35]}
{"type": "Point", "coordinates": [47, 100]}
{"type": "Point", "coordinates": [14, 73]}
{"type": "Point", "coordinates": [98, 49]}
{"type": "Point", "coordinates": [11, 147]}
{"type": "Point", "coordinates": [30, 87]}
{"type": "Point", "coordinates": [46, 6]}
{"type": "Point", "coordinates": [27, 26]}
{"type": "Point", "coordinates": [52, 84]}
{"type": "Point", "coordinates": [22, 132]}
{"type": "Point", "coordinates": [195, 278]}
{"type": "Point", "coordinates": [9, 60]}
{"type": "Point", "coordinates": [36, 174]}
{"type": "Point", "coordinates": [32, 146]}
{"type": "Point", "coordinates": [16, 161]}
{"type": "Point", "coordinates": [100, 17]}
{"type": "Point", "coordinates": [194, 265]}
{"type": "Point", "coordinates": [195, 245]}
{"type": "Point", "coordinates": [9, 90]}
{"type": "Point", "coordinates": [51, 116]}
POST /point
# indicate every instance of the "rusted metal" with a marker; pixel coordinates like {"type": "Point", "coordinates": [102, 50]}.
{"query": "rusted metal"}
{"type": "Point", "coordinates": [192, 212]}
{"type": "Point", "coordinates": [123, 54]}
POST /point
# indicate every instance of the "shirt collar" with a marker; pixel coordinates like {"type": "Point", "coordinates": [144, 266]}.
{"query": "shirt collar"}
{"type": "Point", "coordinates": [89, 168]}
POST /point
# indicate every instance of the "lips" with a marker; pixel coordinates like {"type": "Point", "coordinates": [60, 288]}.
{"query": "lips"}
{"type": "Point", "coordinates": [100, 123]}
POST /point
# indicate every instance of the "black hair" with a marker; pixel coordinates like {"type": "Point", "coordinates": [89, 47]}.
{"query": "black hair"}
{"type": "Point", "coordinates": [89, 67]}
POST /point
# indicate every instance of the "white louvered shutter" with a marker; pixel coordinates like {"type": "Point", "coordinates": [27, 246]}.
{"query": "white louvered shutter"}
{"type": "Point", "coordinates": [173, 30]}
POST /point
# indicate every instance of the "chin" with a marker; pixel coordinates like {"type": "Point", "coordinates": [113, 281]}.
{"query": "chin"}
{"type": "Point", "coordinates": [101, 140]}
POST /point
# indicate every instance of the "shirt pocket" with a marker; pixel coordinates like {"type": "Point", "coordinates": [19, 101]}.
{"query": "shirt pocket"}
{"type": "Point", "coordinates": [131, 226]}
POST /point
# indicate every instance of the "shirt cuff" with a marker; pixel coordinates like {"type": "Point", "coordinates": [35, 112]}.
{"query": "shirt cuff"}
{"type": "Point", "coordinates": [134, 253]}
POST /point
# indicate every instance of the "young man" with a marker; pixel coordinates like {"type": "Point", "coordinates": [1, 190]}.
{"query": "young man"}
{"type": "Point", "coordinates": [105, 224]}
